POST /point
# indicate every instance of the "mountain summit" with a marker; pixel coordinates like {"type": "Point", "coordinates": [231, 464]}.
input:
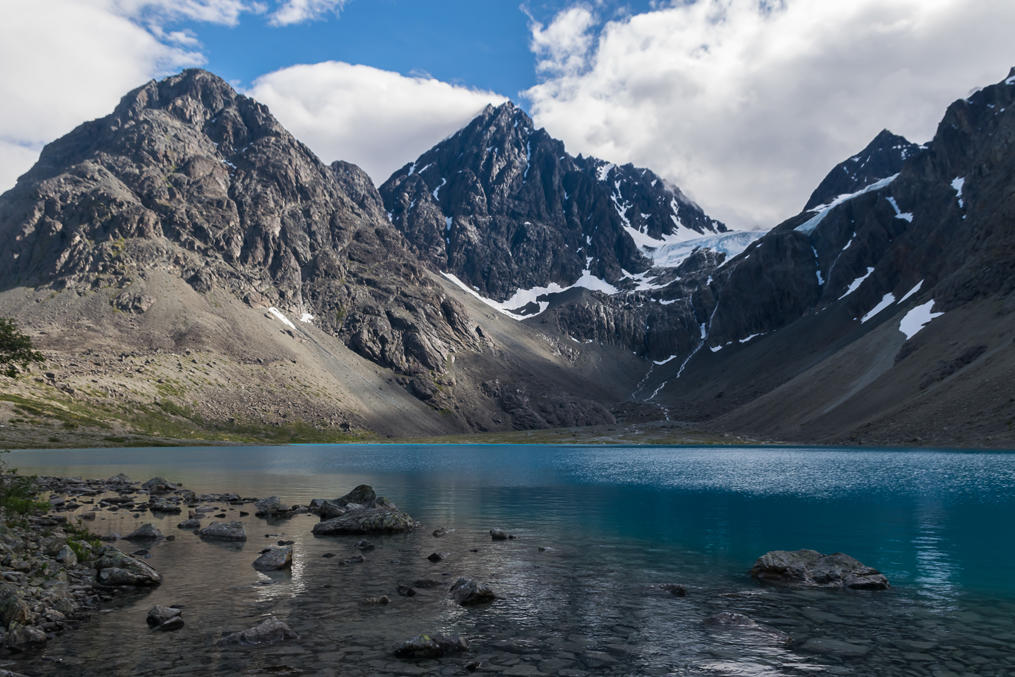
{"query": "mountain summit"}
{"type": "Point", "coordinates": [503, 207]}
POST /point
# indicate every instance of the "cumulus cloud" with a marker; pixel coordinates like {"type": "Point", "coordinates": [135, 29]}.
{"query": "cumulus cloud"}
{"type": "Point", "coordinates": [298, 11]}
{"type": "Point", "coordinates": [376, 119]}
{"type": "Point", "coordinates": [747, 104]}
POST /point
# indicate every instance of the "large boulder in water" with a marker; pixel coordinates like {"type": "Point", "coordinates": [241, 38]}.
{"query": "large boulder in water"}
{"type": "Point", "coordinates": [274, 559]}
{"type": "Point", "coordinates": [431, 646]}
{"type": "Point", "coordinates": [361, 511]}
{"type": "Point", "coordinates": [810, 568]}
{"type": "Point", "coordinates": [271, 507]}
{"type": "Point", "coordinates": [118, 568]}
{"type": "Point", "coordinates": [468, 592]}
{"type": "Point", "coordinates": [269, 631]}
{"type": "Point", "coordinates": [224, 531]}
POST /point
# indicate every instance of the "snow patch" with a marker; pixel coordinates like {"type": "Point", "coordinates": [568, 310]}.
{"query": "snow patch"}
{"type": "Point", "coordinates": [280, 316]}
{"type": "Point", "coordinates": [747, 339]}
{"type": "Point", "coordinates": [855, 284]}
{"type": "Point", "coordinates": [957, 183]}
{"type": "Point", "coordinates": [823, 210]}
{"type": "Point", "coordinates": [524, 297]}
{"type": "Point", "coordinates": [662, 362]}
{"type": "Point", "coordinates": [438, 188]}
{"type": "Point", "coordinates": [447, 224]}
{"type": "Point", "coordinates": [817, 267]}
{"type": "Point", "coordinates": [674, 249]}
{"type": "Point", "coordinates": [917, 318]}
{"type": "Point", "coordinates": [911, 291]}
{"type": "Point", "coordinates": [887, 300]}
{"type": "Point", "coordinates": [306, 317]}
{"type": "Point", "coordinates": [899, 214]}
{"type": "Point", "coordinates": [603, 171]}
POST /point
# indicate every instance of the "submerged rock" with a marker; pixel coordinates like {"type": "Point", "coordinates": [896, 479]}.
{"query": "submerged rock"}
{"type": "Point", "coordinates": [431, 646]}
{"type": "Point", "coordinates": [191, 523]}
{"type": "Point", "coordinates": [675, 589]}
{"type": "Point", "coordinates": [224, 531]}
{"type": "Point", "coordinates": [498, 535]}
{"type": "Point", "coordinates": [118, 568]}
{"type": "Point", "coordinates": [271, 507]}
{"type": "Point", "coordinates": [275, 559]}
{"type": "Point", "coordinates": [164, 618]}
{"type": "Point", "coordinates": [468, 592]}
{"type": "Point", "coordinates": [734, 621]}
{"type": "Point", "coordinates": [160, 504]}
{"type": "Point", "coordinates": [269, 631]}
{"type": "Point", "coordinates": [810, 568]}
{"type": "Point", "coordinates": [145, 532]}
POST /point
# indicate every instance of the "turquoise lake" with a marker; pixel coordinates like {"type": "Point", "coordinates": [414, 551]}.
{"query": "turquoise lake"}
{"type": "Point", "coordinates": [618, 522]}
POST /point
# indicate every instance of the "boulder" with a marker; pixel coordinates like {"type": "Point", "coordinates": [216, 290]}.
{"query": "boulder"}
{"type": "Point", "coordinates": [66, 556]}
{"type": "Point", "coordinates": [435, 557]}
{"type": "Point", "coordinates": [809, 568]}
{"type": "Point", "coordinates": [164, 618]}
{"type": "Point", "coordinates": [118, 568]}
{"type": "Point", "coordinates": [498, 535]}
{"type": "Point", "coordinates": [158, 485]}
{"type": "Point", "coordinates": [269, 631]}
{"type": "Point", "coordinates": [468, 592]}
{"type": "Point", "coordinates": [364, 494]}
{"type": "Point", "coordinates": [275, 559]}
{"type": "Point", "coordinates": [270, 507]}
{"type": "Point", "coordinates": [328, 510]}
{"type": "Point", "coordinates": [431, 646]}
{"type": "Point", "coordinates": [675, 589]}
{"type": "Point", "coordinates": [13, 609]}
{"type": "Point", "coordinates": [145, 532]}
{"type": "Point", "coordinates": [21, 637]}
{"type": "Point", "coordinates": [191, 523]}
{"type": "Point", "coordinates": [224, 531]}
{"type": "Point", "coordinates": [164, 505]}
{"type": "Point", "coordinates": [366, 521]}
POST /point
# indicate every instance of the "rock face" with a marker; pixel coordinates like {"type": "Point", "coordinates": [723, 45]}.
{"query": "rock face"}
{"type": "Point", "coordinates": [224, 531]}
{"type": "Point", "coordinates": [431, 646]}
{"type": "Point", "coordinates": [361, 511]}
{"type": "Point", "coordinates": [810, 568]}
{"type": "Point", "coordinates": [269, 631]}
{"type": "Point", "coordinates": [117, 568]}
{"type": "Point", "coordinates": [275, 559]}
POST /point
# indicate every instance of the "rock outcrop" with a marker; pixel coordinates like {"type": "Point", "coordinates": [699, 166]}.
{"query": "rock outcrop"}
{"type": "Point", "coordinates": [809, 568]}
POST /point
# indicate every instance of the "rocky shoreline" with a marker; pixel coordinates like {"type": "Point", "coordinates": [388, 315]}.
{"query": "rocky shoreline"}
{"type": "Point", "coordinates": [56, 573]}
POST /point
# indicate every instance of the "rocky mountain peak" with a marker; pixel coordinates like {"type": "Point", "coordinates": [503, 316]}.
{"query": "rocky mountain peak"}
{"type": "Point", "coordinates": [881, 158]}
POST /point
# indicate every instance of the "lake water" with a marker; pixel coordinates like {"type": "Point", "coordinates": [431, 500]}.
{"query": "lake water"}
{"type": "Point", "coordinates": [619, 522]}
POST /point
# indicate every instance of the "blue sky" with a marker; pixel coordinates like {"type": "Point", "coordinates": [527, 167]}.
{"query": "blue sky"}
{"type": "Point", "coordinates": [744, 104]}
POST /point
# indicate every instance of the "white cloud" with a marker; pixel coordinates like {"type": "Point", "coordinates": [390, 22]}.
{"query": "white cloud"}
{"type": "Point", "coordinates": [299, 11]}
{"type": "Point", "coordinates": [377, 119]}
{"type": "Point", "coordinates": [747, 107]}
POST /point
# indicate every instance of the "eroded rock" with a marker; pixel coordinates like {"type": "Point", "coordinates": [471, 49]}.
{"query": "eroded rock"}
{"type": "Point", "coordinates": [810, 568]}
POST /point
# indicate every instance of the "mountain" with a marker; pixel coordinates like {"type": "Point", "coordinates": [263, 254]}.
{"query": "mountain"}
{"type": "Point", "coordinates": [189, 222]}
{"type": "Point", "coordinates": [502, 207]}
{"type": "Point", "coordinates": [192, 271]}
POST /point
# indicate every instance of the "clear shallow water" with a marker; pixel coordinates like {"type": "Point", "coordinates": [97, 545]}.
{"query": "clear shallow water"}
{"type": "Point", "coordinates": [620, 521]}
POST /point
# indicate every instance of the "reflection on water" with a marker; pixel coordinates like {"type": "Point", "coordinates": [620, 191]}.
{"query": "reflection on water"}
{"type": "Point", "coordinates": [616, 522]}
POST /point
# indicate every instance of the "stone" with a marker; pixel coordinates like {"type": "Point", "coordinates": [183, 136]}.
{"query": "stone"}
{"type": "Point", "coordinates": [364, 545]}
{"type": "Point", "coordinates": [270, 507]}
{"type": "Point", "coordinates": [145, 532]}
{"type": "Point", "coordinates": [164, 618]}
{"type": "Point", "coordinates": [191, 523]}
{"type": "Point", "coordinates": [468, 592]}
{"type": "Point", "coordinates": [329, 510]}
{"type": "Point", "coordinates": [275, 559]}
{"type": "Point", "coordinates": [21, 637]}
{"type": "Point", "coordinates": [224, 531]}
{"type": "Point", "coordinates": [440, 532]}
{"type": "Point", "coordinates": [674, 589]}
{"type": "Point", "coordinates": [738, 622]}
{"type": "Point", "coordinates": [158, 485]}
{"type": "Point", "coordinates": [376, 601]}
{"type": "Point", "coordinates": [405, 591]}
{"type": "Point", "coordinates": [366, 521]}
{"type": "Point", "coordinates": [164, 505]}
{"type": "Point", "coordinates": [13, 608]}
{"type": "Point", "coordinates": [809, 568]}
{"type": "Point", "coordinates": [269, 631]}
{"type": "Point", "coordinates": [498, 535]}
{"type": "Point", "coordinates": [431, 646]}
{"type": "Point", "coordinates": [117, 568]}
{"type": "Point", "coordinates": [355, 559]}
{"type": "Point", "coordinates": [66, 556]}
{"type": "Point", "coordinates": [435, 557]}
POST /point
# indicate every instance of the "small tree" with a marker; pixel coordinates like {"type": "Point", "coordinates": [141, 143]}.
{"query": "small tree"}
{"type": "Point", "coordinates": [15, 349]}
